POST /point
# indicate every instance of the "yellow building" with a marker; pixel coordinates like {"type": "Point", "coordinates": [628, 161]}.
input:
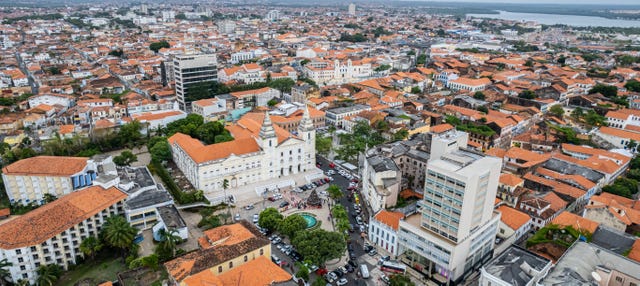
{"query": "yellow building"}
{"type": "Point", "coordinates": [223, 250]}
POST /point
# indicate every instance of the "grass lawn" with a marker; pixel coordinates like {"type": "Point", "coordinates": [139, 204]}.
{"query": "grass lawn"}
{"type": "Point", "coordinates": [103, 268]}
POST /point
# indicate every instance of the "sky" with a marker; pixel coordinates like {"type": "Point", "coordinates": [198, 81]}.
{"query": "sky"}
{"type": "Point", "coordinates": [577, 2]}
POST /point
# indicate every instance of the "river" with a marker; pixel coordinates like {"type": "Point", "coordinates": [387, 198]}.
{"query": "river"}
{"type": "Point", "coordinates": [551, 19]}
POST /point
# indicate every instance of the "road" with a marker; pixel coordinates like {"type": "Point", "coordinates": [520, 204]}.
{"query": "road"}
{"type": "Point", "coordinates": [355, 237]}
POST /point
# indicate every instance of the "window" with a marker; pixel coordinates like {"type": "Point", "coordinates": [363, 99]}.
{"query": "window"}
{"type": "Point", "coordinates": [230, 264]}
{"type": "Point", "coordinates": [18, 251]}
{"type": "Point", "coordinates": [261, 251]}
{"type": "Point", "coordinates": [245, 258]}
{"type": "Point", "coordinates": [619, 279]}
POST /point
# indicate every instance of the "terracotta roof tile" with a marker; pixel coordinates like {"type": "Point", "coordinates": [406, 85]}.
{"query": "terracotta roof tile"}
{"type": "Point", "coordinates": [47, 166]}
{"type": "Point", "coordinates": [512, 217]}
{"type": "Point", "coordinates": [391, 219]}
{"type": "Point", "coordinates": [53, 218]}
{"type": "Point", "coordinates": [577, 222]}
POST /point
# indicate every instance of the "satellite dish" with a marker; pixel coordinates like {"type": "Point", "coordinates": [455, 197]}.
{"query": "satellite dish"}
{"type": "Point", "coordinates": [596, 276]}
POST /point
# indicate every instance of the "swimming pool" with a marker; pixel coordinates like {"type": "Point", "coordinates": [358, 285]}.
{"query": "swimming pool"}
{"type": "Point", "coordinates": [311, 221]}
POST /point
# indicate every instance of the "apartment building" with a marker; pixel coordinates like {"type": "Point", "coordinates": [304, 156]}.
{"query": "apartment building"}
{"type": "Point", "coordinates": [29, 180]}
{"type": "Point", "coordinates": [455, 228]}
{"type": "Point", "coordinates": [210, 108]}
{"type": "Point", "coordinates": [52, 233]}
{"type": "Point", "coordinates": [381, 181]}
{"type": "Point", "coordinates": [189, 70]}
{"type": "Point", "coordinates": [336, 116]}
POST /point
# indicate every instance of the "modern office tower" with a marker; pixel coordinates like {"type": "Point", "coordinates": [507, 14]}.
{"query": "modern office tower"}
{"type": "Point", "coordinates": [454, 229]}
{"type": "Point", "coordinates": [352, 9]}
{"type": "Point", "coordinates": [189, 70]}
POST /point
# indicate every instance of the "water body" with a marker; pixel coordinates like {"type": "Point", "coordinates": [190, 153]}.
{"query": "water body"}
{"type": "Point", "coordinates": [571, 20]}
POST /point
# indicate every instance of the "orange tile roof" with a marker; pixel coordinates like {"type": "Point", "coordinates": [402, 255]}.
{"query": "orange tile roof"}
{"type": "Point", "coordinates": [555, 201]}
{"type": "Point", "coordinates": [513, 218]}
{"type": "Point", "coordinates": [53, 218]}
{"type": "Point", "coordinates": [620, 133]}
{"type": "Point", "coordinates": [496, 152]}
{"type": "Point", "coordinates": [440, 128]}
{"type": "Point", "coordinates": [155, 116]}
{"type": "Point", "coordinates": [201, 153]}
{"type": "Point", "coordinates": [66, 129]}
{"type": "Point", "coordinates": [241, 94]}
{"type": "Point", "coordinates": [510, 179]}
{"type": "Point", "coordinates": [635, 251]}
{"type": "Point", "coordinates": [577, 222]}
{"type": "Point", "coordinates": [391, 219]}
{"type": "Point", "coordinates": [47, 166]}
{"type": "Point", "coordinates": [260, 271]}
{"type": "Point", "coordinates": [5, 212]}
{"type": "Point", "coordinates": [530, 158]}
{"type": "Point", "coordinates": [224, 235]}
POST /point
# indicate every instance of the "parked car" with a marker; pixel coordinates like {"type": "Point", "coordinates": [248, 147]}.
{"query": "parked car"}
{"type": "Point", "coordinates": [373, 252]}
{"type": "Point", "coordinates": [256, 217]}
{"type": "Point", "coordinates": [237, 217]}
{"type": "Point", "coordinates": [367, 248]}
{"type": "Point", "coordinates": [249, 207]}
{"type": "Point", "coordinates": [349, 268]}
{"type": "Point", "coordinates": [342, 281]}
{"type": "Point", "coordinates": [284, 204]}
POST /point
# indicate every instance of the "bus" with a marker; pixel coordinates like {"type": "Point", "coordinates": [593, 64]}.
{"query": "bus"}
{"type": "Point", "coordinates": [393, 267]}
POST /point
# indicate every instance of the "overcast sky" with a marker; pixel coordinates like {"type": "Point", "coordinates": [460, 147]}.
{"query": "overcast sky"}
{"type": "Point", "coordinates": [577, 2]}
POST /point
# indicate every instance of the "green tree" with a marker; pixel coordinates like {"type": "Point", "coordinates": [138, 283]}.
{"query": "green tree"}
{"type": "Point", "coordinates": [595, 119]}
{"type": "Point", "coordinates": [320, 245]}
{"type": "Point", "coordinates": [118, 233]}
{"type": "Point", "coordinates": [125, 158]}
{"type": "Point", "coordinates": [632, 144]}
{"type": "Point", "coordinates": [527, 94]}
{"type": "Point", "coordinates": [422, 59]}
{"type": "Point", "coordinates": [400, 280]}
{"type": "Point", "coordinates": [483, 109]}
{"type": "Point", "coordinates": [633, 85]}
{"type": "Point", "coordinates": [48, 274]}
{"type": "Point", "coordinates": [416, 90]}
{"type": "Point", "coordinates": [452, 120]}
{"type": "Point", "coordinates": [479, 95]}
{"type": "Point", "coordinates": [272, 102]}
{"type": "Point", "coordinates": [303, 271]}
{"type": "Point", "coordinates": [557, 110]}
{"type": "Point", "coordinates": [169, 240]}
{"type": "Point", "coordinates": [129, 134]}
{"type": "Point", "coordinates": [270, 218]}
{"type": "Point", "coordinates": [323, 144]}
{"type": "Point", "coordinates": [291, 225]}
{"type": "Point", "coordinates": [90, 246]}
{"type": "Point", "coordinates": [319, 281]}
{"type": "Point", "coordinates": [161, 151]}
{"type": "Point", "coordinates": [207, 132]}
{"type": "Point", "coordinates": [335, 192]}
{"type": "Point", "coordinates": [577, 113]}
{"type": "Point", "coordinates": [156, 46]}
{"type": "Point", "coordinates": [401, 134]}
{"type": "Point", "coordinates": [4, 271]}
{"type": "Point", "coordinates": [282, 84]}
{"type": "Point", "coordinates": [606, 90]}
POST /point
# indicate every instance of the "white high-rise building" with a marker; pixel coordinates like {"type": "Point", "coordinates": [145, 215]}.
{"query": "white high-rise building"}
{"type": "Point", "coordinates": [273, 15]}
{"type": "Point", "coordinates": [454, 230]}
{"type": "Point", "coordinates": [226, 27]}
{"type": "Point", "coordinates": [352, 9]}
{"type": "Point", "coordinates": [189, 70]}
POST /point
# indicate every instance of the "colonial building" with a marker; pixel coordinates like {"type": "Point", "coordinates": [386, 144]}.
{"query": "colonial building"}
{"type": "Point", "coordinates": [260, 151]}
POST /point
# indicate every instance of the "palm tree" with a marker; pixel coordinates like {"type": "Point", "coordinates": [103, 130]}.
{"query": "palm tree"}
{"type": "Point", "coordinates": [334, 192]}
{"type": "Point", "coordinates": [169, 240]}
{"type": "Point", "coordinates": [90, 246]}
{"type": "Point", "coordinates": [48, 274]}
{"type": "Point", "coordinates": [119, 233]}
{"type": "Point", "coordinates": [225, 186]}
{"type": "Point", "coordinates": [4, 271]}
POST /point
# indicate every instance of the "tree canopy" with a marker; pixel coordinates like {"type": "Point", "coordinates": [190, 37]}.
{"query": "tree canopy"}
{"type": "Point", "coordinates": [319, 246]}
{"type": "Point", "coordinates": [270, 218]}
{"type": "Point", "coordinates": [292, 225]}
{"type": "Point", "coordinates": [156, 46]}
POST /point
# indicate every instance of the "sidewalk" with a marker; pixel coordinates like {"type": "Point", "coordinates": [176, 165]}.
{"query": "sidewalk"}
{"type": "Point", "coordinates": [247, 194]}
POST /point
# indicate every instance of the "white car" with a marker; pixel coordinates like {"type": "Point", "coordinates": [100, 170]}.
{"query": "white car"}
{"type": "Point", "coordinates": [256, 217]}
{"type": "Point", "coordinates": [342, 281]}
